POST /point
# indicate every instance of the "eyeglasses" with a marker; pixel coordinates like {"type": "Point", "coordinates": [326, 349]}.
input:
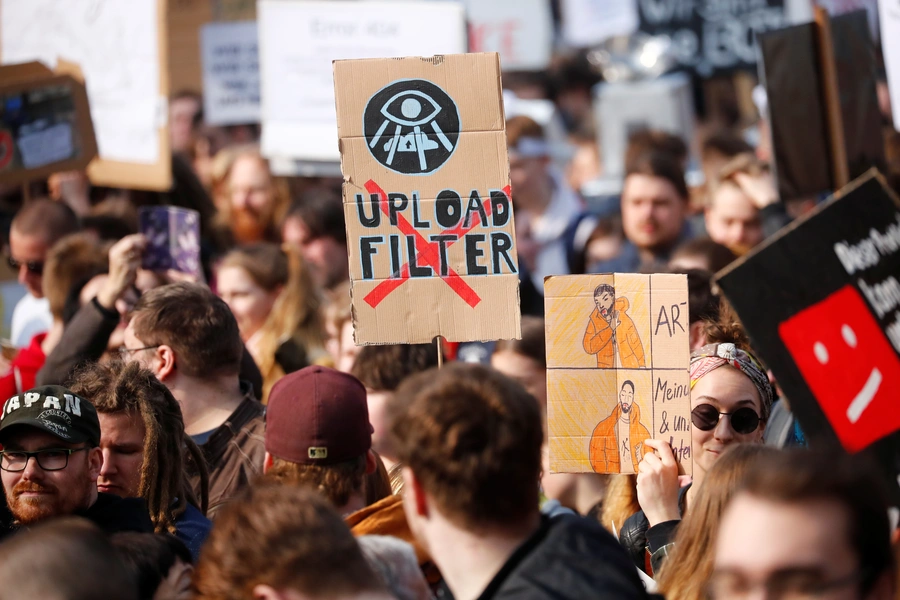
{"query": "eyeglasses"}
{"type": "Point", "coordinates": [789, 585]}
{"type": "Point", "coordinates": [705, 417]}
{"type": "Point", "coordinates": [50, 459]}
{"type": "Point", "coordinates": [34, 267]}
{"type": "Point", "coordinates": [125, 353]}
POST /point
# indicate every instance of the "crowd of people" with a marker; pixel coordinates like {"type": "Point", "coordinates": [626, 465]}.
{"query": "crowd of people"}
{"type": "Point", "coordinates": [219, 435]}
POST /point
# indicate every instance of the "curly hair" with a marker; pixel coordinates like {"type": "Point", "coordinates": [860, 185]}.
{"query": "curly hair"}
{"type": "Point", "coordinates": [120, 387]}
{"type": "Point", "coordinates": [335, 482]}
{"type": "Point", "coordinates": [286, 537]}
{"type": "Point", "coordinates": [473, 438]}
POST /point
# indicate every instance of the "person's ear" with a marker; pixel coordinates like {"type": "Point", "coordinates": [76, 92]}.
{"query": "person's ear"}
{"type": "Point", "coordinates": [371, 462]}
{"type": "Point", "coordinates": [165, 362]}
{"type": "Point", "coordinates": [415, 492]}
{"type": "Point", "coordinates": [268, 461]}
{"type": "Point", "coordinates": [266, 592]}
{"type": "Point", "coordinates": [696, 335]}
{"type": "Point", "coordinates": [95, 462]}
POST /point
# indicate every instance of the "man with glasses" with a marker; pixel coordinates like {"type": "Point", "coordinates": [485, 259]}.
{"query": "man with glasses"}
{"type": "Point", "coordinates": [805, 525]}
{"type": "Point", "coordinates": [34, 230]}
{"type": "Point", "coordinates": [50, 461]}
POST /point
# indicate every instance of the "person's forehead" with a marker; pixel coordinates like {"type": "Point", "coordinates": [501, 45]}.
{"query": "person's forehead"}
{"type": "Point", "coordinates": [121, 422]}
{"type": "Point", "coordinates": [752, 538]}
{"type": "Point", "coordinates": [33, 246]}
{"type": "Point", "coordinates": [638, 185]}
{"type": "Point", "coordinates": [30, 438]}
{"type": "Point", "coordinates": [729, 197]}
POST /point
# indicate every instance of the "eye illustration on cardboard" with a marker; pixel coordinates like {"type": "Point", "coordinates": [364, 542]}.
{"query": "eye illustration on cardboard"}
{"type": "Point", "coordinates": [849, 366]}
{"type": "Point", "coordinates": [411, 126]}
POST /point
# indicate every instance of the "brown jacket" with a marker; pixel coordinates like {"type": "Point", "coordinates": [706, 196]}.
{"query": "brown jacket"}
{"type": "Point", "coordinates": [234, 453]}
{"type": "Point", "coordinates": [604, 441]}
{"type": "Point", "coordinates": [386, 517]}
{"type": "Point", "coordinates": [600, 339]}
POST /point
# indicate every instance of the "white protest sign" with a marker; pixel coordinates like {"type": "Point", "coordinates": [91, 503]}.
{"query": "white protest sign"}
{"type": "Point", "coordinates": [588, 22]}
{"type": "Point", "coordinates": [117, 47]}
{"type": "Point", "coordinates": [298, 42]}
{"type": "Point", "coordinates": [520, 30]}
{"type": "Point", "coordinates": [889, 10]}
{"type": "Point", "coordinates": [230, 73]}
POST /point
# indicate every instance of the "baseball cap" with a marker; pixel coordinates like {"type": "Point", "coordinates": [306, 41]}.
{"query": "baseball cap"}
{"type": "Point", "coordinates": [54, 409]}
{"type": "Point", "coordinates": [318, 416]}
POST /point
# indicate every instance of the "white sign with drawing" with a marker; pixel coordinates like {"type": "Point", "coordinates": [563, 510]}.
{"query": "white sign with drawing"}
{"type": "Point", "coordinates": [115, 43]}
{"type": "Point", "coordinates": [298, 42]}
{"type": "Point", "coordinates": [230, 73]}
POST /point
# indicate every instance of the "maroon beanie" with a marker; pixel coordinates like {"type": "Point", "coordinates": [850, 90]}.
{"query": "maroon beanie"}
{"type": "Point", "coordinates": [318, 416]}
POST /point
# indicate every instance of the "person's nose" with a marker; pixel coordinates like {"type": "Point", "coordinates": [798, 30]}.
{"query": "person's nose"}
{"type": "Point", "coordinates": [108, 467]}
{"type": "Point", "coordinates": [241, 199]}
{"type": "Point", "coordinates": [723, 431]}
{"type": "Point", "coordinates": [33, 471]}
{"type": "Point", "coordinates": [23, 274]}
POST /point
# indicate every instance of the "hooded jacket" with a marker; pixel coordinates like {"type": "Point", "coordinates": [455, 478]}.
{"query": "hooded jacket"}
{"type": "Point", "coordinates": [602, 340]}
{"type": "Point", "coordinates": [604, 441]}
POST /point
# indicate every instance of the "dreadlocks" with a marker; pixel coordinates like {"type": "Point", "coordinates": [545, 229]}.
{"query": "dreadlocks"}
{"type": "Point", "coordinates": [119, 387]}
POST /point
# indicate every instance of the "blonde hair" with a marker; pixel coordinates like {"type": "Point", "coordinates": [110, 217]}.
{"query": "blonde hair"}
{"type": "Point", "coordinates": [689, 565]}
{"type": "Point", "coordinates": [619, 502]}
{"type": "Point", "coordinates": [296, 313]}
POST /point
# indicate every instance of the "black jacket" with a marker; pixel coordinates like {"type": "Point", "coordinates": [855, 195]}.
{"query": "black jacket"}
{"type": "Point", "coordinates": [567, 558]}
{"type": "Point", "coordinates": [638, 537]}
{"type": "Point", "coordinates": [110, 513]}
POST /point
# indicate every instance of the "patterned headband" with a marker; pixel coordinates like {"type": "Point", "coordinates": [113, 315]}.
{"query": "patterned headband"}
{"type": "Point", "coordinates": [712, 356]}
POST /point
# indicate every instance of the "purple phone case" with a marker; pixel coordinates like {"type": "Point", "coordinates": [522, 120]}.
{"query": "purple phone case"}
{"type": "Point", "coordinates": [173, 238]}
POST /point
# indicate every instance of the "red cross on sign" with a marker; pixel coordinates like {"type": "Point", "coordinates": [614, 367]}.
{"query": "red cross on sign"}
{"type": "Point", "coordinates": [427, 253]}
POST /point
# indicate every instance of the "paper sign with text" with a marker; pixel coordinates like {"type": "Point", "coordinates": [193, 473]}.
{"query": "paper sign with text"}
{"type": "Point", "coordinates": [821, 302]}
{"type": "Point", "coordinates": [426, 199]}
{"type": "Point", "coordinates": [230, 73]}
{"type": "Point", "coordinates": [520, 30]}
{"type": "Point", "coordinates": [618, 370]}
{"type": "Point", "coordinates": [45, 123]}
{"type": "Point", "coordinates": [298, 42]}
{"type": "Point", "coordinates": [889, 11]}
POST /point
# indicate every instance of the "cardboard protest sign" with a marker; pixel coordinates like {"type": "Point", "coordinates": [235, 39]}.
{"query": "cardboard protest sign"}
{"type": "Point", "coordinates": [618, 370]}
{"type": "Point", "coordinates": [120, 50]}
{"type": "Point", "coordinates": [821, 302]}
{"type": "Point", "coordinates": [520, 30]}
{"type": "Point", "coordinates": [822, 104]}
{"type": "Point", "coordinates": [426, 199]}
{"type": "Point", "coordinates": [712, 37]}
{"type": "Point", "coordinates": [586, 23]}
{"type": "Point", "coordinates": [298, 42]}
{"type": "Point", "coordinates": [184, 18]}
{"type": "Point", "coordinates": [45, 123]}
{"type": "Point", "coordinates": [230, 73]}
{"type": "Point", "coordinates": [173, 238]}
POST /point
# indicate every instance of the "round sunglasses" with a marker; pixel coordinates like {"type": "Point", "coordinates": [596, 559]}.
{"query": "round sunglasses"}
{"type": "Point", "coordinates": [744, 420]}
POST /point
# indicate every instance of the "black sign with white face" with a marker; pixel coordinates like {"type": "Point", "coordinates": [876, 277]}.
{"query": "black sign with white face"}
{"type": "Point", "coordinates": [411, 126]}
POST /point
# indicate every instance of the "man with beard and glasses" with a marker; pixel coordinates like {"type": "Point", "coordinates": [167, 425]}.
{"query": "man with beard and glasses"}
{"type": "Point", "coordinates": [619, 435]}
{"type": "Point", "coordinates": [654, 210]}
{"type": "Point", "coordinates": [50, 461]}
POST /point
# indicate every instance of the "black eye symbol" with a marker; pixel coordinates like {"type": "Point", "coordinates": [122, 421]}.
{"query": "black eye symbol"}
{"type": "Point", "coordinates": [409, 104]}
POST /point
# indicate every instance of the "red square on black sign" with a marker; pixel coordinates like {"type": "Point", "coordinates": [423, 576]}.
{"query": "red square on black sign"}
{"type": "Point", "coordinates": [848, 364]}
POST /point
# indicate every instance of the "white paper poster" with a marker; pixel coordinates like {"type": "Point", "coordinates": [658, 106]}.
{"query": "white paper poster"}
{"type": "Point", "coordinates": [230, 73]}
{"type": "Point", "coordinates": [889, 11]}
{"type": "Point", "coordinates": [115, 42]}
{"type": "Point", "coordinates": [520, 30]}
{"type": "Point", "coordinates": [589, 22]}
{"type": "Point", "coordinates": [298, 42]}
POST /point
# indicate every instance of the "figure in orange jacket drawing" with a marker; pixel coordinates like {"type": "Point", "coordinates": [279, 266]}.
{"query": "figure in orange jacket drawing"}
{"type": "Point", "coordinates": [611, 330]}
{"type": "Point", "coordinates": [619, 435]}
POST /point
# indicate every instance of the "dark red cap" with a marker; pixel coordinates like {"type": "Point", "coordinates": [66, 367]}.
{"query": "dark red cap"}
{"type": "Point", "coordinates": [318, 416]}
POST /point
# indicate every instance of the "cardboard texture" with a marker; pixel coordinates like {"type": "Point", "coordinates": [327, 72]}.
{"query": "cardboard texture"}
{"type": "Point", "coordinates": [617, 344]}
{"type": "Point", "coordinates": [184, 20]}
{"type": "Point", "coordinates": [127, 83]}
{"type": "Point", "coordinates": [821, 303]}
{"type": "Point", "coordinates": [430, 231]}
{"type": "Point", "coordinates": [45, 123]}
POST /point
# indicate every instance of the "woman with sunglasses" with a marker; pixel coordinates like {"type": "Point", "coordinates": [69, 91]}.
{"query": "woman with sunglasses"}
{"type": "Point", "coordinates": [730, 402]}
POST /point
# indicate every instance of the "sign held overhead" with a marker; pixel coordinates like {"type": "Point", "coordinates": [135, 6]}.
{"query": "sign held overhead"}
{"type": "Point", "coordinates": [427, 199]}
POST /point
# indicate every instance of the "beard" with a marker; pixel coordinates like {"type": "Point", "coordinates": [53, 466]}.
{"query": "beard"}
{"type": "Point", "coordinates": [248, 226]}
{"type": "Point", "coordinates": [32, 509]}
{"type": "Point", "coordinates": [626, 408]}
